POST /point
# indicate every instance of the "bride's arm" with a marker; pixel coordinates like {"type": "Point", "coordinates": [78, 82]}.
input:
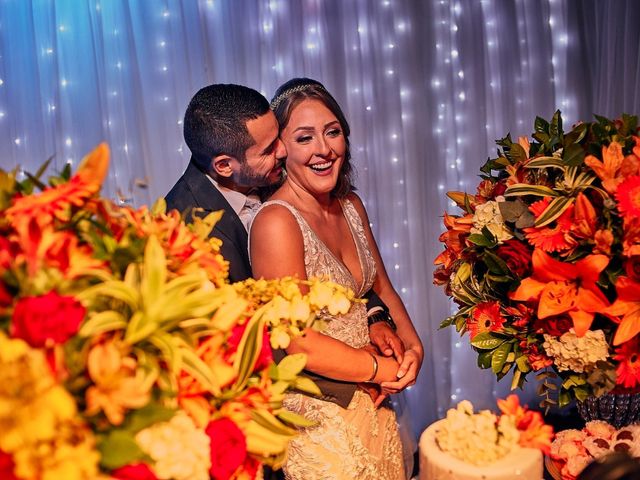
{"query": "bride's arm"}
{"type": "Point", "coordinates": [414, 352]}
{"type": "Point", "coordinates": [277, 250]}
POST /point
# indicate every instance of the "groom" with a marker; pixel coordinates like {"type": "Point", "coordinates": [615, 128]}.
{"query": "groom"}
{"type": "Point", "coordinates": [235, 149]}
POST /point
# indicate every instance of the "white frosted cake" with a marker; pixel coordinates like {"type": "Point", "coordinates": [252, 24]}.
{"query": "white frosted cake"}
{"type": "Point", "coordinates": [435, 464]}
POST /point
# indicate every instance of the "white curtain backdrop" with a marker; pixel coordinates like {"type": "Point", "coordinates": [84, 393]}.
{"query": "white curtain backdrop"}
{"type": "Point", "coordinates": [427, 86]}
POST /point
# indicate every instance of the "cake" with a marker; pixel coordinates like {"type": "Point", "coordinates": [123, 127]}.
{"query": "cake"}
{"type": "Point", "coordinates": [435, 464]}
{"type": "Point", "coordinates": [476, 446]}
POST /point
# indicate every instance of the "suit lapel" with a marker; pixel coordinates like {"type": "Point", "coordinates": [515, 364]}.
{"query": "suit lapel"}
{"type": "Point", "coordinates": [229, 228]}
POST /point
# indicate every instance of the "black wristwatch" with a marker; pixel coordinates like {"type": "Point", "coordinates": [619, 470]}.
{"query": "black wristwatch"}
{"type": "Point", "coordinates": [381, 316]}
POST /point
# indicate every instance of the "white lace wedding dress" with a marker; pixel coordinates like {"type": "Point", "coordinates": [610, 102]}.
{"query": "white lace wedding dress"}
{"type": "Point", "coordinates": [359, 442]}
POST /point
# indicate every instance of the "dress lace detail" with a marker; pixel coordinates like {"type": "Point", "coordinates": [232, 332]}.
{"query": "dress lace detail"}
{"type": "Point", "coordinates": [358, 442]}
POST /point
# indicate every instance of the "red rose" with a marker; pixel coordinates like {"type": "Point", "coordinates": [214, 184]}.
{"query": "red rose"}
{"type": "Point", "coordinates": [555, 325]}
{"type": "Point", "coordinates": [266, 354]}
{"type": "Point", "coordinates": [5, 297]}
{"type": "Point", "coordinates": [50, 317]}
{"type": "Point", "coordinates": [228, 448]}
{"type": "Point", "coordinates": [135, 471]}
{"type": "Point", "coordinates": [632, 267]}
{"type": "Point", "coordinates": [7, 466]}
{"type": "Point", "coordinates": [517, 256]}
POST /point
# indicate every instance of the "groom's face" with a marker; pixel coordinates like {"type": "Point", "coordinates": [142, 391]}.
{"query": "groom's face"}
{"type": "Point", "coordinates": [262, 165]}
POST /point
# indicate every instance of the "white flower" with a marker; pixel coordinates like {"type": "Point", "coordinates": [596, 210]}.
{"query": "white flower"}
{"type": "Point", "coordinates": [488, 215]}
{"type": "Point", "coordinates": [179, 449]}
{"type": "Point", "coordinates": [577, 354]}
{"type": "Point", "coordinates": [479, 438]}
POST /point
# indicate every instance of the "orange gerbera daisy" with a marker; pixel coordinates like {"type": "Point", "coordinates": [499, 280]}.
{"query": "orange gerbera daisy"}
{"type": "Point", "coordinates": [55, 202]}
{"type": "Point", "coordinates": [628, 196]}
{"type": "Point", "coordinates": [551, 238]}
{"type": "Point", "coordinates": [561, 287]}
{"type": "Point", "coordinates": [629, 367]}
{"type": "Point", "coordinates": [485, 317]}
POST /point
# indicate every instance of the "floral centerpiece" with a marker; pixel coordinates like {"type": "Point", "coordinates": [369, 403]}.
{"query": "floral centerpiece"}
{"type": "Point", "coordinates": [544, 260]}
{"type": "Point", "coordinates": [124, 351]}
{"type": "Point", "coordinates": [483, 438]}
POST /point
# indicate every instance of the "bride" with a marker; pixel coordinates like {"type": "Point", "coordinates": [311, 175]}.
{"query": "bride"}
{"type": "Point", "coordinates": [315, 225]}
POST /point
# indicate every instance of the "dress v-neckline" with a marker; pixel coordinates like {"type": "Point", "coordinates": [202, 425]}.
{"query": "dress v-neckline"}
{"type": "Point", "coordinates": [340, 263]}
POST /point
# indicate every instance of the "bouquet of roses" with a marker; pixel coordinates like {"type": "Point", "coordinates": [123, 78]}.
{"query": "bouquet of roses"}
{"type": "Point", "coordinates": [544, 260]}
{"type": "Point", "coordinates": [125, 353]}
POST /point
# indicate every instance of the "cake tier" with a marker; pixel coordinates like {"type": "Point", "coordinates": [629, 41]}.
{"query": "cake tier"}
{"type": "Point", "coordinates": [518, 464]}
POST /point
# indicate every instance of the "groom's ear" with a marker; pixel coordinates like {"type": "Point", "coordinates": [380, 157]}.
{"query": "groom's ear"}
{"type": "Point", "coordinates": [221, 165]}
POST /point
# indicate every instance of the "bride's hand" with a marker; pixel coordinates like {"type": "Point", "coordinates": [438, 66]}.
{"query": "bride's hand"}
{"type": "Point", "coordinates": [406, 374]}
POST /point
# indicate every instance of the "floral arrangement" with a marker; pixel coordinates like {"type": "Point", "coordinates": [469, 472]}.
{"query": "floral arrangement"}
{"type": "Point", "coordinates": [544, 260]}
{"type": "Point", "coordinates": [572, 450]}
{"type": "Point", "coordinates": [124, 351]}
{"type": "Point", "coordinates": [483, 438]}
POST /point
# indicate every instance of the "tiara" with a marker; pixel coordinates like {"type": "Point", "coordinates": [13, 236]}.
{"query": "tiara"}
{"type": "Point", "coordinates": [290, 91]}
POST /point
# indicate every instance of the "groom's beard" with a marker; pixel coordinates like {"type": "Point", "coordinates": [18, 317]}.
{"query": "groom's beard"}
{"type": "Point", "coordinates": [248, 177]}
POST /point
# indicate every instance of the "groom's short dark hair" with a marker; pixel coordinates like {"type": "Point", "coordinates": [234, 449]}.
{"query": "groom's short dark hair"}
{"type": "Point", "coordinates": [215, 121]}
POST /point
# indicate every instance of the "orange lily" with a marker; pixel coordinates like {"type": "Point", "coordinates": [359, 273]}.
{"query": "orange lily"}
{"type": "Point", "coordinates": [626, 305]}
{"type": "Point", "coordinates": [565, 288]}
{"type": "Point", "coordinates": [607, 169]}
{"type": "Point", "coordinates": [584, 218]}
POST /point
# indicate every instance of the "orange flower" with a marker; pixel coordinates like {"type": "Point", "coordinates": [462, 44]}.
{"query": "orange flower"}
{"type": "Point", "coordinates": [631, 237]}
{"type": "Point", "coordinates": [119, 384]}
{"type": "Point", "coordinates": [561, 287]}
{"type": "Point", "coordinates": [534, 433]}
{"type": "Point", "coordinates": [485, 317]}
{"type": "Point", "coordinates": [56, 202]}
{"type": "Point", "coordinates": [628, 196]}
{"type": "Point", "coordinates": [628, 371]}
{"type": "Point", "coordinates": [607, 169]}
{"type": "Point", "coordinates": [626, 305]}
{"type": "Point", "coordinates": [511, 406]}
{"type": "Point", "coordinates": [603, 240]}
{"type": "Point", "coordinates": [548, 238]}
{"type": "Point", "coordinates": [584, 218]}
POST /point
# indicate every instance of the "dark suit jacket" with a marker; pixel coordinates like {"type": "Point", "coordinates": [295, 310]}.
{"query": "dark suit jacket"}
{"type": "Point", "coordinates": [194, 189]}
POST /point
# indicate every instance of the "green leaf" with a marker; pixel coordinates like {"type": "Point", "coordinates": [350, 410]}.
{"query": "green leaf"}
{"type": "Point", "coordinates": [486, 341]}
{"type": "Point", "coordinates": [102, 322]}
{"type": "Point", "coordinates": [119, 448]}
{"type": "Point", "coordinates": [305, 384]}
{"type": "Point", "coordinates": [155, 271]}
{"type": "Point", "coordinates": [295, 419]}
{"type": "Point", "coordinates": [499, 357]}
{"type": "Point", "coordinates": [523, 364]}
{"type": "Point", "coordinates": [545, 162]}
{"type": "Point", "coordinates": [148, 415]}
{"type": "Point", "coordinates": [517, 380]}
{"type": "Point", "coordinates": [555, 128]}
{"type": "Point", "coordinates": [556, 208]}
{"type": "Point", "coordinates": [291, 365]}
{"type": "Point", "coordinates": [484, 359]}
{"type": "Point", "coordinates": [447, 322]}
{"type": "Point", "coordinates": [581, 393]}
{"type": "Point", "coordinates": [520, 189]}
{"type": "Point", "coordinates": [494, 263]}
{"type": "Point", "coordinates": [573, 155]}
{"type": "Point", "coordinates": [480, 240]}
{"type": "Point", "coordinates": [541, 125]}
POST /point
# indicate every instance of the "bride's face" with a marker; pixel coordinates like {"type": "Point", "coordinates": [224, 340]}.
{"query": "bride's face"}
{"type": "Point", "coordinates": [315, 146]}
